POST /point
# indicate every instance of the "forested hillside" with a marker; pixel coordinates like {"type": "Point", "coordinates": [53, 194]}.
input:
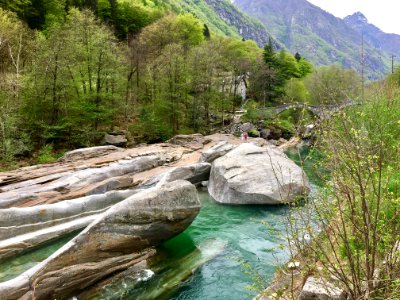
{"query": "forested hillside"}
{"type": "Point", "coordinates": [222, 17]}
{"type": "Point", "coordinates": [73, 70]}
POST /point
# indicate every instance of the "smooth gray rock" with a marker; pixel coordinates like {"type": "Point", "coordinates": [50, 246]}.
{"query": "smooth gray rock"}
{"type": "Point", "coordinates": [15, 221]}
{"type": "Point", "coordinates": [117, 240]}
{"type": "Point", "coordinates": [265, 133]}
{"type": "Point", "coordinates": [192, 141]}
{"type": "Point", "coordinates": [24, 242]}
{"type": "Point", "coordinates": [253, 175]}
{"type": "Point", "coordinates": [22, 229]}
{"type": "Point", "coordinates": [216, 151]}
{"type": "Point", "coordinates": [86, 153]}
{"type": "Point", "coordinates": [193, 173]}
{"type": "Point", "coordinates": [246, 127]}
{"type": "Point", "coordinates": [81, 178]}
{"type": "Point", "coordinates": [115, 140]}
{"type": "Point", "coordinates": [317, 289]}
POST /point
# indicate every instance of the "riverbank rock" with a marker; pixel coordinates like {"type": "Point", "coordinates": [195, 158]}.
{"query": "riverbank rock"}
{"type": "Point", "coordinates": [246, 127]}
{"type": "Point", "coordinates": [195, 174]}
{"type": "Point", "coordinates": [216, 151]}
{"type": "Point", "coordinates": [79, 183]}
{"type": "Point", "coordinates": [118, 140]}
{"type": "Point", "coordinates": [316, 288]}
{"type": "Point", "coordinates": [253, 175]}
{"type": "Point", "coordinates": [86, 153]}
{"type": "Point", "coordinates": [193, 141]}
{"type": "Point", "coordinates": [118, 239]}
{"type": "Point", "coordinates": [24, 228]}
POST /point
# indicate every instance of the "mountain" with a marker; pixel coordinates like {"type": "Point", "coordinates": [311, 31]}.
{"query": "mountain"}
{"type": "Point", "coordinates": [388, 42]}
{"type": "Point", "coordinates": [224, 18]}
{"type": "Point", "coordinates": [316, 34]}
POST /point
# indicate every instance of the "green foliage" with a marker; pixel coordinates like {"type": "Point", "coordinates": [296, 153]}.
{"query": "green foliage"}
{"type": "Point", "coordinates": [395, 77]}
{"type": "Point", "coordinates": [76, 80]}
{"type": "Point", "coordinates": [15, 53]}
{"type": "Point", "coordinates": [288, 66]}
{"type": "Point", "coordinates": [150, 128]}
{"type": "Point", "coordinates": [329, 85]}
{"type": "Point", "coordinates": [366, 142]}
{"type": "Point", "coordinates": [358, 227]}
{"type": "Point", "coordinates": [304, 67]}
{"type": "Point", "coordinates": [188, 30]}
{"type": "Point", "coordinates": [17, 6]}
{"type": "Point", "coordinates": [73, 80]}
{"type": "Point", "coordinates": [131, 16]}
{"type": "Point", "coordinates": [296, 92]}
{"type": "Point", "coordinates": [46, 154]}
{"type": "Point", "coordinates": [252, 112]}
{"type": "Point", "coordinates": [274, 81]}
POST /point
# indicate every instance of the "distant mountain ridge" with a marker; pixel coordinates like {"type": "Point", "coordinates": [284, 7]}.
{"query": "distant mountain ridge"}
{"type": "Point", "coordinates": [388, 42]}
{"type": "Point", "coordinates": [318, 35]}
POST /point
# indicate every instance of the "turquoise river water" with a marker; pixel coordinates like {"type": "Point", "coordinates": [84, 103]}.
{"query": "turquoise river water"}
{"type": "Point", "coordinates": [208, 257]}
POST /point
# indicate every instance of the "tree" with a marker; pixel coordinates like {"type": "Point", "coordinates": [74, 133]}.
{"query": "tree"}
{"type": "Point", "coordinates": [269, 55]}
{"type": "Point", "coordinates": [287, 66]}
{"type": "Point", "coordinates": [297, 56]}
{"type": "Point", "coordinates": [188, 31]}
{"type": "Point", "coordinates": [304, 67]}
{"type": "Point", "coordinates": [295, 91]}
{"type": "Point", "coordinates": [268, 80]}
{"type": "Point", "coordinates": [330, 85]}
{"type": "Point", "coordinates": [241, 58]}
{"type": "Point", "coordinates": [75, 82]}
{"type": "Point", "coordinates": [206, 32]}
{"type": "Point", "coordinates": [17, 6]}
{"type": "Point", "coordinates": [15, 52]}
{"type": "Point", "coordinates": [208, 83]}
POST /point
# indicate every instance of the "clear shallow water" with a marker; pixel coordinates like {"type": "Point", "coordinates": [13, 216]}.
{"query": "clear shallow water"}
{"type": "Point", "coordinates": [248, 239]}
{"type": "Point", "coordinates": [16, 266]}
{"type": "Point", "coordinates": [209, 254]}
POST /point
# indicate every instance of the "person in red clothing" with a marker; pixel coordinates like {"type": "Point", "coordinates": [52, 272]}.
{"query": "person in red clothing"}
{"type": "Point", "coordinates": [245, 136]}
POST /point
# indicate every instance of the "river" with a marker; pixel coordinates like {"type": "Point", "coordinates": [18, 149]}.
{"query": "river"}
{"type": "Point", "coordinates": [226, 250]}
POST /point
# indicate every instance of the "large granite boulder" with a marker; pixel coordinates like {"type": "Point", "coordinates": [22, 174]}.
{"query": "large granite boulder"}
{"type": "Point", "coordinates": [118, 239]}
{"type": "Point", "coordinates": [253, 175]}
{"type": "Point", "coordinates": [318, 289]}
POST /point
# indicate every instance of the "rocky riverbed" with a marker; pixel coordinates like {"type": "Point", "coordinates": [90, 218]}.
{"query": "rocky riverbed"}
{"type": "Point", "coordinates": [127, 201]}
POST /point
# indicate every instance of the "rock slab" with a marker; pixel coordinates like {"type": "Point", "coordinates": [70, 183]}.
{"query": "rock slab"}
{"type": "Point", "coordinates": [118, 239]}
{"type": "Point", "coordinates": [253, 175]}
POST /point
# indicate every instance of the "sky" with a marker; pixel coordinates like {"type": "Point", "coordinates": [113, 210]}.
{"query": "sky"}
{"type": "Point", "coordinates": [382, 13]}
